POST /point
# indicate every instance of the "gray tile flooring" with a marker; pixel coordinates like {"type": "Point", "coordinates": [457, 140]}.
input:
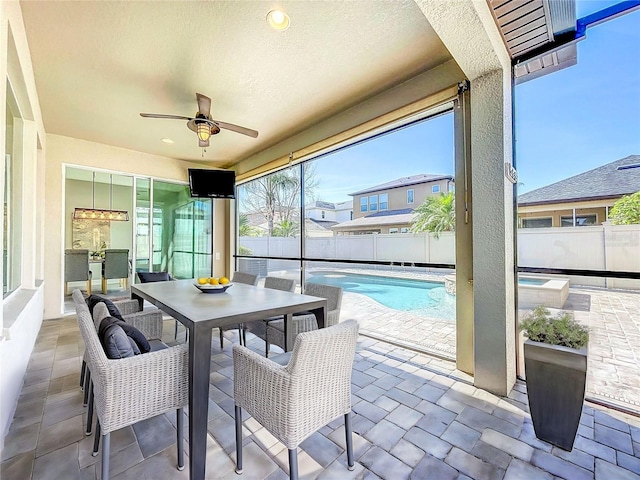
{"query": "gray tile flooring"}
{"type": "Point", "coordinates": [415, 417]}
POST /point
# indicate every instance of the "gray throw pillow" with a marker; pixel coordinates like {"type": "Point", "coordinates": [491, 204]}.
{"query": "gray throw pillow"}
{"type": "Point", "coordinates": [93, 300]}
{"type": "Point", "coordinates": [140, 344]}
{"type": "Point", "coordinates": [115, 342]}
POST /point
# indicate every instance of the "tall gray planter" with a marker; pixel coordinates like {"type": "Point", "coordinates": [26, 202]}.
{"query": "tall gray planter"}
{"type": "Point", "coordinates": [556, 379]}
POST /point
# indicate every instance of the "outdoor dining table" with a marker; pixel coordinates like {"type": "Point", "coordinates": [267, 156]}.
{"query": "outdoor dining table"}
{"type": "Point", "coordinates": [200, 313]}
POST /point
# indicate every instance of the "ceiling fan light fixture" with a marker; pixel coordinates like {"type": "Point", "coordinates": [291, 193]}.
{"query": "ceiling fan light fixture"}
{"type": "Point", "coordinates": [203, 130]}
{"type": "Point", "coordinates": [278, 20]}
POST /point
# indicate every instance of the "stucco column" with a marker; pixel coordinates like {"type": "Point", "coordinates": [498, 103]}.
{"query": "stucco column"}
{"type": "Point", "coordinates": [493, 256]}
{"type": "Point", "coordinates": [468, 30]}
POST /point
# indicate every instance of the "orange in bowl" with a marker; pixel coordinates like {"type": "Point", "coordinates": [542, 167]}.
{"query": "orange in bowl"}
{"type": "Point", "coordinates": [213, 281]}
{"type": "Point", "coordinates": [224, 280]}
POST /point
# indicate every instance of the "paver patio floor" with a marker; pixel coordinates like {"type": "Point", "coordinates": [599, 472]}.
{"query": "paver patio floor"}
{"type": "Point", "coordinates": [415, 417]}
{"type": "Point", "coordinates": [613, 318]}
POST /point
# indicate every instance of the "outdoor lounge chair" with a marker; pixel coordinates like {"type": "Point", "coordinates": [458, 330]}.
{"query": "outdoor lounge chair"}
{"type": "Point", "coordinates": [300, 392]}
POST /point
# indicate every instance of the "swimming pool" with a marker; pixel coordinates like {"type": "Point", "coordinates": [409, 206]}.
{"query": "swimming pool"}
{"type": "Point", "coordinates": [417, 296]}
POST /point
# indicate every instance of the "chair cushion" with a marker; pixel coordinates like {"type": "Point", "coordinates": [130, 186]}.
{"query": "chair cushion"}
{"type": "Point", "coordinates": [93, 300]}
{"type": "Point", "coordinates": [141, 343]}
{"type": "Point", "coordinates": [115, 342]}
{"type": "Point", "coordinates": [148, 277]}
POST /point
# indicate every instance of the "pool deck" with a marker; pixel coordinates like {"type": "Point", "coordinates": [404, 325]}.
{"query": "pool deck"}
{"type": "Point", "coordinates": [613, 318]}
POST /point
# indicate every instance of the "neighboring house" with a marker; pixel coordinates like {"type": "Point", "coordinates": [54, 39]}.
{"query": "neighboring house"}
{"type": "Point", "coordinates": [319, 218]}
{"type": "Point", "coordinates": [328, 211]}
{"type": "Point", "coordinates": [322, 216]}
{"type": "Point", "coordinates": [583, 199]}
{"type": "Point", "coordinates": [388, 208]}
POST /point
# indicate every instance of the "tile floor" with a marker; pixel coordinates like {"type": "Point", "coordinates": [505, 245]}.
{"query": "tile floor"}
{"type": "Point", "coordinates": [415, 417]}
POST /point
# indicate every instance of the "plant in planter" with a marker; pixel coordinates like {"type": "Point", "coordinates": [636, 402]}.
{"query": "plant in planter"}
{"type": "Point", "coordinates": [555, 357]}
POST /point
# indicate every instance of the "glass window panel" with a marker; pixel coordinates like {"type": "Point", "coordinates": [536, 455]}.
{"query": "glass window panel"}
{"type": "Point", "coordinates": [581, 220]}
{"type": "Point", "coordinates": [373, 203]}
{"type": "Point", "coordinates": [12, 237]}
{"type": "Point", "coordinates": [435, 189]}
{"type": "Point", "coordinates": [410, 196]}
{"type": "Point", "coordinates": [576, 172]}
{"type": "Point", "coordinates": [536, 222]}
{"type": "Point", "coordinates": [331, 183]}
{"type": "Point", "coordinates": [384, 201]}
{"type": "Point", "coordinates": [269, 214]}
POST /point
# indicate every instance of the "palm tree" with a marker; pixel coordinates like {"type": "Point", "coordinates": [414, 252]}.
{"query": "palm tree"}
{"type": "Point", "coordinates": [436, 214]}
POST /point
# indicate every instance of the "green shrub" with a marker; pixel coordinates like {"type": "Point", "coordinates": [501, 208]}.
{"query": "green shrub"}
{"type": "Point", "coordinates": [563, 330]}
{"type": "Point", "coordinates": [242, 250]}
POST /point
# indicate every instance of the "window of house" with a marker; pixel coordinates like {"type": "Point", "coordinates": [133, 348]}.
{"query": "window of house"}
{"type": "Point", "coordinates": [452, 187]}
{"type": "Point", "coordinates": [404, 230]}
{"type": "Point", "coordinates": [364, 204]}
{"type": "Point", "coordinates": [393, 230]}
{"type": "Point", "coordinates": [536, 222]}
{"type": "Point", "coordinates": [410, 196]}
{"type": "Point", "coordinates": [384, 201]}
{"type": "Point", "coordinates": [435, 189]}
{"type": "Point", "coordinates": [581, 220]}
{"type": "Point", "coordinates": [322, 213]}
{"type": "Point", "coordinates": [373, 203]}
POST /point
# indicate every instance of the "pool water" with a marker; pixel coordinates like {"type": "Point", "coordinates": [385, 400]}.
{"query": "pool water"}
{"type": "Point", "coordinates": [420, 297]}
{"type": "Point", "coordinates": [531, 281]}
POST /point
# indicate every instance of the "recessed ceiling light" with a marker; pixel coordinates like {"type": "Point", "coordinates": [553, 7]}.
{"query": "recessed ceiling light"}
{"type": "Point", "coordinates": [278, 20]}
{"type": "Point", "coordinates": [167, 140]}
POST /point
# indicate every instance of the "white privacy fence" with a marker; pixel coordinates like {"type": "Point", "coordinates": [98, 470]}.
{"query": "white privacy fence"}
{"type": "Point", "coordinates": [601, 247]}
{"type": "Point", "coordinates": [403, 247]}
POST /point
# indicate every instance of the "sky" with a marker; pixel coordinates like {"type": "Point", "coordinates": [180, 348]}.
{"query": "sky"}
{"type": "Point", "coordinates": [566, 123]}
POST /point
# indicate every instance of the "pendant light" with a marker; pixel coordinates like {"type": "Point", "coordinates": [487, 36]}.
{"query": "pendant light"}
{"type": "Point", "coordinates": [101, 214]}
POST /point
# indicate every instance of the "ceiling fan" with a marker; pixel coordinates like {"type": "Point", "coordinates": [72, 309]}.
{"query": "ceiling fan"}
{"type": "Point", "coordinates": [203, 124]}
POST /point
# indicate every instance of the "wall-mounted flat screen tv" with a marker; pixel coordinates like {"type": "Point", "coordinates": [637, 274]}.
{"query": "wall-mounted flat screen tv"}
{"type": "Point", "coordinates": [212, 183]}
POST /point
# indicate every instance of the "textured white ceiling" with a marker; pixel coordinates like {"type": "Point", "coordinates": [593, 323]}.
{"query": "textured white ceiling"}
{"type": "Point", "coordinates": [99, 64]}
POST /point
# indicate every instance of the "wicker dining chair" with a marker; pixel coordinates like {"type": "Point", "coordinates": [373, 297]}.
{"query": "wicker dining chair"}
{"type": "Point", "coordinates": [129, 390]}
{"type": "Point", "coordinates": [259, 327]}
{"type": "Point", "coordinates": [275, 334]}
{"type": "Point", "coordinates": [149, 322]}
{"type": "Point", "coordinates": [238, 277]}
{"type": "Point", "coordinates": [294, 400]}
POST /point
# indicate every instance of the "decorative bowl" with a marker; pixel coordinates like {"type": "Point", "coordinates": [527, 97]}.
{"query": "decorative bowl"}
{"type": "Point", "coordinates": [212, 288]}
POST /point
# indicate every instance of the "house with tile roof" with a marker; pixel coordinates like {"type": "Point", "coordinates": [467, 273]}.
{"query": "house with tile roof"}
{"type": "Point", "coordinates": [581, 200]}
{"type": "Point", "coordinates": [388, 207]}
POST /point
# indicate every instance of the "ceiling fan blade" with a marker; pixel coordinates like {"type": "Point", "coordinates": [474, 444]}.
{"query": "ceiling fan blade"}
{"type": "Point", "coordinates": [203, 144]}
{"type": "Point", "coordinates": [161, 115]}
{"type": "Point", "coordinates": [204, 105]}
{"type": "Point", "coordinates": [237, 128]}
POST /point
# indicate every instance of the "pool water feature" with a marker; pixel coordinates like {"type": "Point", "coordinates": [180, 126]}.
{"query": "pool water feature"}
{"type": "Point", "coordinates": [421, 297]}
